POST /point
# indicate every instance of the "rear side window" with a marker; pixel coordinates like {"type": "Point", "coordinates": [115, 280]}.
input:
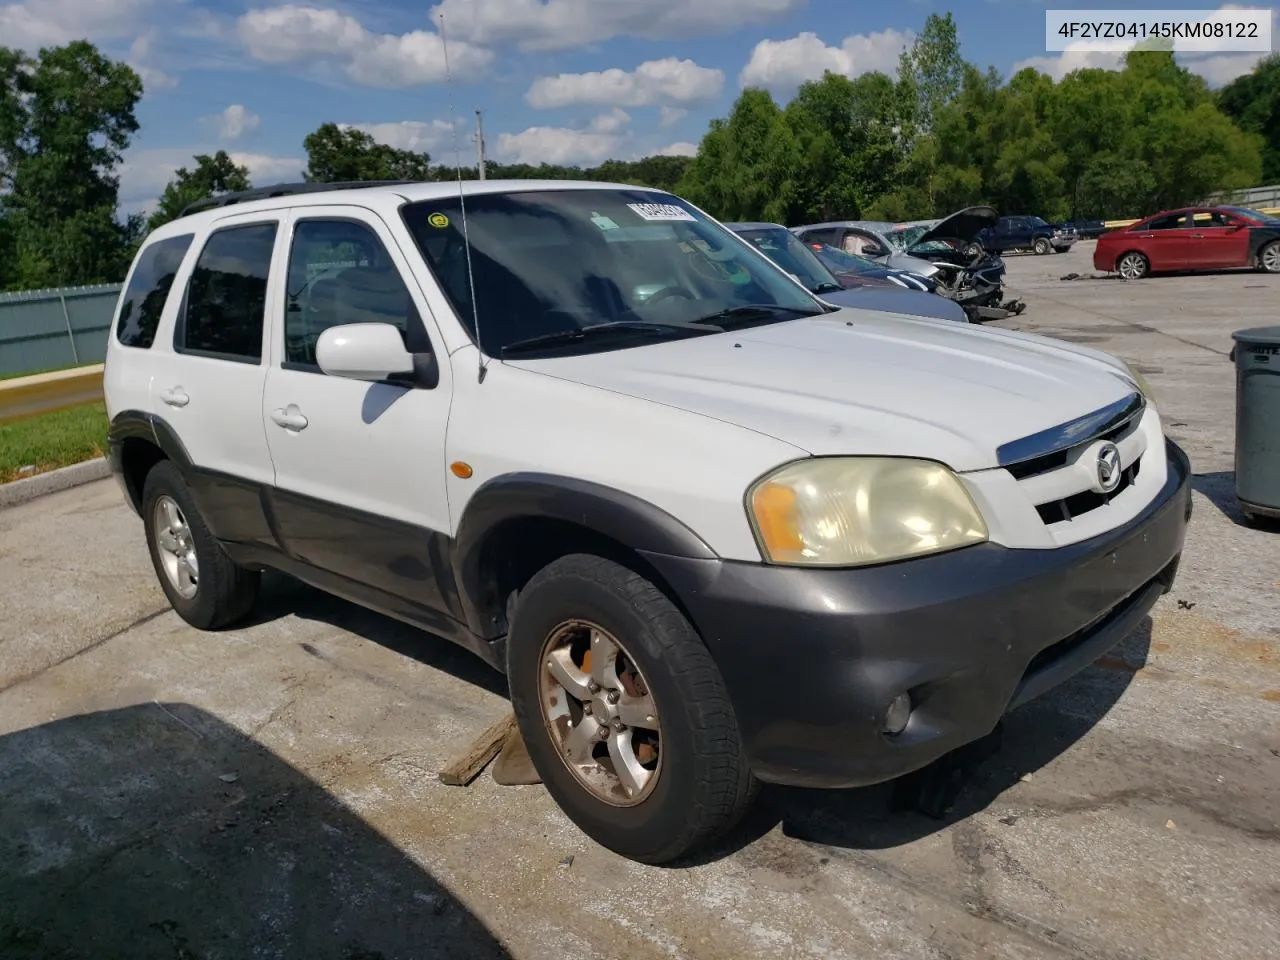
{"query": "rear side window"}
{"type": "Point", "coordinates": [227, 295]}
{"type": "Point", "coordinates": [1174, 221]}
{"type": "Point", "coordinates": [148, 291]}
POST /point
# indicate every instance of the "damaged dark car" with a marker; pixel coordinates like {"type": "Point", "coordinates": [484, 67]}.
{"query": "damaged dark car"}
{"type": "Point", "coordinates": [971, 276]}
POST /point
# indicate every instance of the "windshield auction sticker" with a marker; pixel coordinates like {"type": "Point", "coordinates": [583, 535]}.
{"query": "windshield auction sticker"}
{"type": "Point", "coordinates": [1228, 30]}
{"type": "Point", "coordinates": [661, 211]}
{"type": "Point", "coordinates": [438, 220]}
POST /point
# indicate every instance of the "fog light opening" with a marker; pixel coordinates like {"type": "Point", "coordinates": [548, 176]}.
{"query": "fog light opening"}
{"type": "Point", "coordinates": [896, 717]}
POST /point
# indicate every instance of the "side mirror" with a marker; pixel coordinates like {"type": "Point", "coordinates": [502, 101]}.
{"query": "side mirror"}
{"type": "Point", "coordinates": [874, 250]}
{"type": "Point", "coordinates": [364, 351]}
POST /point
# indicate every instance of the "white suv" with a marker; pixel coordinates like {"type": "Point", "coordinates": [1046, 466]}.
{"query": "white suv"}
{"type": "Point", "coordinates": [713, 530]}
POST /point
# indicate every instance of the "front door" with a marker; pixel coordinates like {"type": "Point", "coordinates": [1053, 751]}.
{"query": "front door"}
{"type": "Point", "coordinates": [359, 467]}
{"type": "Point", "coordinates": [1217, 241]}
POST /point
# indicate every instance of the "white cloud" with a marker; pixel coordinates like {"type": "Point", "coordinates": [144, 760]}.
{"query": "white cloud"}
{"type": "Point", "coordinates": [564, 24]}
{"type": "Point", "coordinates": [681, 149]}
{"type": "Point", "coordinates": [265, 170]}
{"type": "Point", "coordinates": [1059, 65]}
{"type": "Point", "coordinates": [603, 139]}
{"type": "Point", "coordinates": [669, 116]}
{"type": "Point", "coordinates": [782, 65]}
{"type": "Point", "coordinates": [36, 23]}
{"type": "Point", "coordinates": [655, 81]}
{"type": "Point", "coordinates": [153, 78]}
{"type": "Point", "coordinates": [417, 135]}
{"type": "Point", "coordinates": [236, 121]}
{"type": "Point", "coordinates": [144, 173]}
{"type": "Point", "coordinates": [303, 34]}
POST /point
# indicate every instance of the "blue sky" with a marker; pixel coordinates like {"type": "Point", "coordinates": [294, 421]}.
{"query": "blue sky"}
{"type": "Point", "coordinates": [565, 81]}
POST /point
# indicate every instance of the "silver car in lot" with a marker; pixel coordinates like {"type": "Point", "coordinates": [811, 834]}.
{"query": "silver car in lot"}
{"type": "Point", "coordinates": [866, 238]}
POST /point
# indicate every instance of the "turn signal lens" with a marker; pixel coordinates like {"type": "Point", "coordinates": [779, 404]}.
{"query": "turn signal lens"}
{"type": "Point", "coordinates": [853, 511]}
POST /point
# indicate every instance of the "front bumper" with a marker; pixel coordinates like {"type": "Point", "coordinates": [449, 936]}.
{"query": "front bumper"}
{"type": "Point", "coordinates": [812, 658]}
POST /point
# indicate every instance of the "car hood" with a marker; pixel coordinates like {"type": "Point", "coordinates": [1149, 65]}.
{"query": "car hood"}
{"type": "Point", "coordinates": [863, 382]}
{"type": "Point", "coordinates": [898, 300]}
{"type": "Point", "coordinates": [963, 225]}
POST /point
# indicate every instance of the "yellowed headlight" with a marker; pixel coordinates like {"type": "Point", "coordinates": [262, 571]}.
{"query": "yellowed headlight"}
{"type": "Point", "coordinates": [854, 511]}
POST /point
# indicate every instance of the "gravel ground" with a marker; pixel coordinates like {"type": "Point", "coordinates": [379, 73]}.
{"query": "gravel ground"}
{"type": "Point", "coordinates": [270, 791]}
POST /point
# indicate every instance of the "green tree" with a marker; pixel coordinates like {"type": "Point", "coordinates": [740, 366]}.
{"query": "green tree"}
{"type": "Point", "coordinates": [213, 175]}
{"type": "Point", "coordinates": [1253, 102]}
{"type": "Point", "coordinates": [746, 164]}
{"type": "Point", "coordinates": [66, 116]}
{"type": "Point", "coordinates": [932, 70]}
{"type": "Point", "coordinates": [337, 154]}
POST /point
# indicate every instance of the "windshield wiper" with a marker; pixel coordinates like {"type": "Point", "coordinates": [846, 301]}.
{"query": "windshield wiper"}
{"type": "Point", "coordinates": [652, 328]}
{"type": "Point", "coordinates": [753, 311]}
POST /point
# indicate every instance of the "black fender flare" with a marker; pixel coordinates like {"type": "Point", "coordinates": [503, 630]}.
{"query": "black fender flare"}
{"type": "Point", "coordinates": [147, 426]}
{"type": "Point", "coordinates": [622, 517]}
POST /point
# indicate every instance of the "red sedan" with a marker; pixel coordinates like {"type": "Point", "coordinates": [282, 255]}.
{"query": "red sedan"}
{"type": "Point", "coordinates": [1193, 238]}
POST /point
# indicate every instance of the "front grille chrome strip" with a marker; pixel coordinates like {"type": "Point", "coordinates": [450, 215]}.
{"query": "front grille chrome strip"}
{"type": "Point", "coordinates": [1071, 434]}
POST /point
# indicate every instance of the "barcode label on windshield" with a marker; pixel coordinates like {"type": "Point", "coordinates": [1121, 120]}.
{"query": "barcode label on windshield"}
{"type": "Point", "coordinates": [661, 211]}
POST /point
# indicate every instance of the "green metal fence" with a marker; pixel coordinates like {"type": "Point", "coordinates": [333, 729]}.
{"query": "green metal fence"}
{"type": "Point", "coordinates": [45, 329]}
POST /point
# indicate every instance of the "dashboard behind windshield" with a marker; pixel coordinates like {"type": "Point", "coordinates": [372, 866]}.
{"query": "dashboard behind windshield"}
{"type": "Point", "coordinates": [550, 261]}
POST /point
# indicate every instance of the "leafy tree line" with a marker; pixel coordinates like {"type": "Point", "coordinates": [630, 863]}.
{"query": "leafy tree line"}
{"type": "Point", "coordinates": [939, 135]}
{"type": "Point", "coordinates": [942, 135]}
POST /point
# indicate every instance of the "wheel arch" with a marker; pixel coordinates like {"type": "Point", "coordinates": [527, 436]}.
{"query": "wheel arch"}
{"type": "Point", "coordinates": [518, 523]}
{"type": "Point", "coordinates": [136, 442]}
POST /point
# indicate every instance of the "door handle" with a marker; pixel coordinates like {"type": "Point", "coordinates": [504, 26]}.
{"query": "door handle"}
{"type": "Point", "coordinates": [290, 417]}
{"type": "Point", "coordinates": [1197, 236]}
{"type": "Point", "coordinates": [175, 397]}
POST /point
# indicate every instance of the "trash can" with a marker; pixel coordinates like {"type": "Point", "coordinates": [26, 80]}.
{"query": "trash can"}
{"type": "Point", "coordinates": [1257, 356]}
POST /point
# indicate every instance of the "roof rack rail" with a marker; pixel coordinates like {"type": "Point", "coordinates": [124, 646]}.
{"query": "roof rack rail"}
{"type": "Point", "coordinates": [283, 190]}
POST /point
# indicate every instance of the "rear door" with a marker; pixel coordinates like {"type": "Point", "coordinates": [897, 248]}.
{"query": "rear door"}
{"type": "Point", "coordinates": [360, 472]}
{"type": "Point", "coordinates": [1218, 240]}
{"type": "Point", "coordinates": [1166, 241]}
{"type": "Point", "coordinates": [208, 379]}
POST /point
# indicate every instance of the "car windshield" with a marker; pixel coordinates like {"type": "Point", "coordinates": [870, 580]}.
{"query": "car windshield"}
{"type": "Point", "coordinates": [549, 262]}
{"type": "Point", "coordinates": [790, 253]}
{"type": "Point", "coordinates": [836, 259]}
{"type": "Point", "coordinates": [1250, 214]}
{"type": "Point", "coordinates": [907, 239]}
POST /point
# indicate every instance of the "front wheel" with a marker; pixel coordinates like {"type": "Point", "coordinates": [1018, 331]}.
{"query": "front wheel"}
{"type": "Point", "coordinates": [624, 712]}
{"type": "Point", "coordinates": [1042, 246]}
{"type": "Point", "coordinates": [1269, 257]}
{"type": "Point", "coordinates": [1134, 266]}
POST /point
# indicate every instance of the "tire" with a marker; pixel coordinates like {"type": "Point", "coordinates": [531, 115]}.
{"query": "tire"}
{"type": "Point", "coordinates": [1133, 265]}
{"type": "Point", "coordinates": [1269, 257]}
{"type": "Point", "coordinates": [221, 592]}
{"type": "Point", "coordinates": [1041, 246]}
{"type": "Point", "coordinates": [700, 784]}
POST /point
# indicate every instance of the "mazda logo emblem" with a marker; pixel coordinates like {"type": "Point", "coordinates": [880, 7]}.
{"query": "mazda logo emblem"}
{"type": "Point", "coordinates": [1108, 467]}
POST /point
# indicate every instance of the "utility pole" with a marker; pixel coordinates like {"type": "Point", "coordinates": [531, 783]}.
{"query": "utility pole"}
{"type": "Point", "coordinates": [479, 145]}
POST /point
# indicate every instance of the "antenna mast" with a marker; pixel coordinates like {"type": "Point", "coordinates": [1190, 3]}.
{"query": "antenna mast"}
{"type": "Point", "coordinates": [479, 145]}
{"type": "Point", "coordinates": [462, 200]}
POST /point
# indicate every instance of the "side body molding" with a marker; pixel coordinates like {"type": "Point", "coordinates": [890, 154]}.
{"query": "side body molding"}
{"type": "Point", "coordinates": [622, 517]}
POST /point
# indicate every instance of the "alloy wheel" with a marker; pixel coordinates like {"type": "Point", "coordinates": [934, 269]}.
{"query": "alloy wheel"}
{"type": "Point", "coordinates": [1133, 266]}
{"type": "Point", "coordinates": [599, 713]}
{"type": "Point", "coordinates": [177, 547]}
{"type": "Point", "coordinates": [1271, 258]}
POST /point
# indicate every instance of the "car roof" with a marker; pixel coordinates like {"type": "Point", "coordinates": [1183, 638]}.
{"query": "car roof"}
{"type": "Point", "coordinates": [294, 196]}
{"type": "Point", "coordinates": [754, 225]}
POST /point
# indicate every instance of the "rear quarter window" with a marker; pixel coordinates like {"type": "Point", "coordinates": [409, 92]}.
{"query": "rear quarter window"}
{"type": "Point", "coordinates": [143, 302]}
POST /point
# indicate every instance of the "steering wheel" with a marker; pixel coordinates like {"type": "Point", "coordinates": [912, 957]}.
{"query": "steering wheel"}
{"type": "Point", "coordinates": [666, 293]}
